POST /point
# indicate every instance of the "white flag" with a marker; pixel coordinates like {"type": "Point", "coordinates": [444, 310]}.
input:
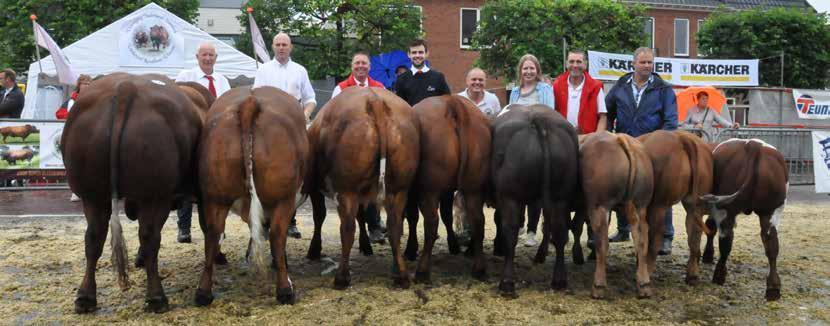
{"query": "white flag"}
{"type": "Point", "coordinates": [256, 39]}
{"type": "Point", "coordinates": [66, 74]}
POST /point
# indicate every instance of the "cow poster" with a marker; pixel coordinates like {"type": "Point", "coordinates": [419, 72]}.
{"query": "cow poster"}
{"type": "Point", "coordinates": [30, 145]}
{"type": "Point", "coordinates": [821, 160]}
{"type": "Point", "coordinates": [684, 72]}
{"type": "Point", "coordinates": [151, 39]}
{"type": "Point", "coordinates": [812, 104]}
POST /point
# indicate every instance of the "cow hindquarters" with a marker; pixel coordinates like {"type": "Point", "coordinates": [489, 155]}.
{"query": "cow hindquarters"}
{"type": "Point", "coordinates": [214, 225]}
{"type": "Point", "coordinates": [769, 236]}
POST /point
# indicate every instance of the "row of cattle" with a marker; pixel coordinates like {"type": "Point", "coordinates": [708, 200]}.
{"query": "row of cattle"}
{"type": "Point", "coordinates": [153, 143]}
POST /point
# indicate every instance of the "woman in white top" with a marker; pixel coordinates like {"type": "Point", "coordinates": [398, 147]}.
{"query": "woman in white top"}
{"type": "Point", "coordinates": [701, 116]}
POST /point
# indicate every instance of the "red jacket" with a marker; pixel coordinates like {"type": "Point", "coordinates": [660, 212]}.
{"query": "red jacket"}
{"type": "Point", "coordinates": [349, 82]}
{"type": "Point", "coordinates": [63, 112]}
{"type": "Point", "coordinates": [588, 116]}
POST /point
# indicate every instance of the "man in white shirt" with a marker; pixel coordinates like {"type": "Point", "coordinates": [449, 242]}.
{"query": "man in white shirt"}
{"type": "Point", "coordinates": [287, 75]}
{"type": "Point", "coordinates": [487, 102]}
{"type": "Point", "coordinates": [580, 98]}
{"type": "Point", "coordinates": [204, 74]}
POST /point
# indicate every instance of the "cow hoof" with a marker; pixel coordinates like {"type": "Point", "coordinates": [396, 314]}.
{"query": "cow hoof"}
{"type": "Point", "coordinates": [286, 296]}
{"type": "Point", "coordinates": [773, 294]}
{"type": "Point", "coordinates": [508, 289]}
{"type": "Point", "coordinates": [644, 291]}
{"type": "Point", "coordinates": [480, 275]}
{"type": "Point", "coordinates": [313, 255]}
{"type": "Point", "coordinates": [692, 280]}
{"type": "Point", "coordinates": [559, 285]}
{"type": "Point", "coordinates": [598, 292]}
{"type": "Point", "coordinates": [342, 282]}
{"type": "Point", "coordinates": [203, 298]}
{"type": "Point", "coordinates": [139, 261]}
{"type": "Point", "coordinates": [423, 277]}
{"type": "Point", "coordinates": [220, 259]}
{"type": "Point", "coordinates": [367, 251]}
{"type": "Point", "coordinates": [719, 277]}
{"type": "Point", "coordinates": [708, 258]}
{"type": "Point", "coordinates": [402, 282]}
{"type": "Point", "coordinates": [314, 250]}
{"type": "Point", "coordinates": [157, 305]}
{"type": "Point", "coordinates": [85, 305]}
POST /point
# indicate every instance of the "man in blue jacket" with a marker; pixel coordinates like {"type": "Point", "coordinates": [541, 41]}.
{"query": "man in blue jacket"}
{"type": "Point", "coordinates": [639, 103]}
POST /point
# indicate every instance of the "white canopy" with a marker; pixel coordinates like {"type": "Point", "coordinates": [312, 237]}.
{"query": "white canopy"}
{"type": "Point", "coordinates": [105, 52]}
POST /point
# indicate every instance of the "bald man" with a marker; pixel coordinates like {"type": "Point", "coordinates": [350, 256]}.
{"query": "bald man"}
{"type": "Point", "coordinates": [217, 84]}
{"type": "Point", "coordinates": [487, 102]}
{"type": "Point", "coordinates": [205, 74]}
{"type": "Point", "coordinates": [287, 75]}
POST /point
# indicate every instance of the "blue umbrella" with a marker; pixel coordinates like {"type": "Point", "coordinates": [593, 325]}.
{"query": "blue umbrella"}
{"type": "Point", "coordinates": [384, 66]}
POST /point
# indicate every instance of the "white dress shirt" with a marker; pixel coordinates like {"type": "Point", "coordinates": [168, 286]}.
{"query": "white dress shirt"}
{"type": "Point", "coordinates": [337, 89]}
{"type": "Point", "coordinates": [197, 75]}
{"type": "Point", "coordinates": [574, 96]}
{"type": "Point", "coordinates": [489, 105]}
{"type": "Point", "coordinates": [423, 69]}
{"type": "Point", "coordinates": [290, 77]}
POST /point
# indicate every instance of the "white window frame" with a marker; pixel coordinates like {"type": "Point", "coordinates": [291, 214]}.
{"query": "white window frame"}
{"type": "Point", "coordinates": [461, 25]}
{"type": "Point", "coordinates": [697, 40]}
{"type": "Point", "coordinates": [678, 54]}
{"type": "Point", "coordinates": [699, 23]}
{"type": "Point", "coordinates": [653, 23]}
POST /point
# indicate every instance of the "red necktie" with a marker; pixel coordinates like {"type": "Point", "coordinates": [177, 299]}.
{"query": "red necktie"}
{"type": "Point", "coordinates": [211, 88]}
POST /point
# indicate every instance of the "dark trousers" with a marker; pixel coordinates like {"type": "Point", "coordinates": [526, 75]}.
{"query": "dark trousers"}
{"type": "Point", "coordinates": [185, 213]}
{"type": "Point", "coordinates": [668, 233]}
{"type": "Point", "coordinates": [372, 217]}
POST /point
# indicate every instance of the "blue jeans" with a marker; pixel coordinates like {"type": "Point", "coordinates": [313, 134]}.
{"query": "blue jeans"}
{"type": "Point", "coordinates": [185, 214]}
{"type": "Point", "coordinates": [668, 232]}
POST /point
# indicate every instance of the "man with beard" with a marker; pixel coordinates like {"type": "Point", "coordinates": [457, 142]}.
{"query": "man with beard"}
{"type": "Point", "coordinates": [420, 81]}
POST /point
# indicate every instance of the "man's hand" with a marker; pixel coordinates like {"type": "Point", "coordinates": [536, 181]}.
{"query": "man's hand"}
{"type": "Point", "coordinates": [698, 125]}
{"type": "Point", "coordinates": [736, 125]}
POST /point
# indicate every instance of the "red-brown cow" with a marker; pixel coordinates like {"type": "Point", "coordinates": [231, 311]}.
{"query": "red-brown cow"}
{"type": "Point", "coordinates": [682, 166]}
{"type": "Point", "coordinates": [755, 174]}
{"type": "Point", "coordinates": [18, 131]}
{"type": "Point", "coordinates": [131, 137]}
{"type": "Point", "coordinates": [625, 186]}
{"type": "Point", "coordinates": [455, 155]}
{"type": "Point", "coordinates": [254, 149]}
{"type": "Point", "coordinates": [366, 145]}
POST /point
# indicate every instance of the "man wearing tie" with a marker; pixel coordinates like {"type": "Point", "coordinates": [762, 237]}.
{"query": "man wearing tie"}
{"type": "Point", "coordinates": [11, 100]}
{"type": "Point", "coordinates": [217, 85]}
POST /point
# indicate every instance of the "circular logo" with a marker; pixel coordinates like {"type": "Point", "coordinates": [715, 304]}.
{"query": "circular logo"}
{"type": "Point", "coordinates": [151, 39]}
{"type": "Point", "coordinates": [803, 103]}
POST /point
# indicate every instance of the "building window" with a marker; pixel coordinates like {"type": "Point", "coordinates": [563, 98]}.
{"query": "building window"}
{"type": "Point", "coordinates": [699, 24]}
{"type": "Point", "coordinates": [681, 37]}
{"type": "Point", "coordinates": [469, 23]}
{"type": "Point", "coordinates": [648, 30]}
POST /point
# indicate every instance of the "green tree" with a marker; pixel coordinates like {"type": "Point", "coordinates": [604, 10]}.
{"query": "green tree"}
{"type": "Point", "coordinates": [326, 32]}
{"type": "Point", "coordinates": [509, 29]}
{"type": "Point", "coordinates": [803, 36]}
{"type": "Point", "coordinates": [67, 22]}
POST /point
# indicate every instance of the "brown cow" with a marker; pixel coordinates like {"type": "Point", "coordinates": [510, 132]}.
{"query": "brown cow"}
{"type": "Point", "coordinates": [12, 156]}
{"type": "Point", "coordinates": [366, 145]}
{"type": "Point", "coordinates": [131, 137]}
{"type": "Point", "coordinates": [533, 159]}
{"type": "Point", "coordinates": [18, 131]}
{"type": "Point", "coordinates": [682, 167]}
{"type": "Point", "coordinates": [625, 186]}
{"type": "Point", "coordinates": [455, 154]}
{"type": "Point", "coordinates": [756, 176]}
{"type": "Point", "coordinates": [254, 149]}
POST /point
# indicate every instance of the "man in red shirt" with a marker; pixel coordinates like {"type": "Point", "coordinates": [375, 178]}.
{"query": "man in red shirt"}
{"type": "Point", "coordinates": [580, 98]}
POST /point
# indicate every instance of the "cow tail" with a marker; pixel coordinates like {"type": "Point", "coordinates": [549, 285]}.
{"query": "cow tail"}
{"type": "Point", "coordinates": [458, 109]}
{"type": "Point", "coordinates": [125, 95]}
{"type": "Point", "coordinates": [378, 111]}
{"type": "Point", "coordinates": [543, 132]}
{"type": "Point", "coordinates": [628, 198]}
{"type": "Point", "coordinates": [247, 114]}
{"type": "Point", "coordinates": [690, 147]}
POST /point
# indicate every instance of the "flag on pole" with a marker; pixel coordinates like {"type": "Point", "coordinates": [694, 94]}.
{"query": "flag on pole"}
{"type": "Point", "coordinates": [256, 38]}
{"type": "Point", "coordinates": [66, 74]}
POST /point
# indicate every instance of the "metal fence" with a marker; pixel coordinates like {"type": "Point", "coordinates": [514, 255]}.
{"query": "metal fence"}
{"type": "Point", "coordinates": [794, 144]}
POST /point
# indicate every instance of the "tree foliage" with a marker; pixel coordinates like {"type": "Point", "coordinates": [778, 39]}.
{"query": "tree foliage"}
{"type": "Point", "coordinates": [803, 36]}
{"type": "Point", "coordinates": [326, 32]}
{"type": "Point", "coordinates": [509, 29]}
{"type": "Point", "coordinates": [67, 22]}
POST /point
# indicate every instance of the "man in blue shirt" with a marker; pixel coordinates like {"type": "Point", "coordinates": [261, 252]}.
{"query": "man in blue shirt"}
{"type": "Point", "coordinates": [639, 103]}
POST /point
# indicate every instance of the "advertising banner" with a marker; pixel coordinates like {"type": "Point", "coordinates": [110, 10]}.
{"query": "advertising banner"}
{"type": "Point", "coordinates": [30, 145]}
{"type": "Point", "coordinates": [812, 104]}
{"type": "Point", "coordinates": [683, 72]}
{"type": "Point", "coordinates": [821, 160]}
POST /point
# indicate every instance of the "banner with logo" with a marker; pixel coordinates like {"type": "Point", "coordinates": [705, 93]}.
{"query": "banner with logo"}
{"type": "Point", "coordinates": [30, 145]}
{"type": "Point", "coordinates": [821, 160]}
{"type": "Point", "coordinates": [812, 104]}
{"type": "Point", "coordinates": [684, 72]}
{"type": "Point", "coordinates": [151, 39]}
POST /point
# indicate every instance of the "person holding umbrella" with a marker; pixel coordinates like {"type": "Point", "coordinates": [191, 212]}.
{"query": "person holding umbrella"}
{"type": "Point", "coordinates": [701, 116]}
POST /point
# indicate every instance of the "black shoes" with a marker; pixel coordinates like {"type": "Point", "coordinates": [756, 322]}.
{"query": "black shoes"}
{"type": "Point", "coordinates": [666, 249]}
{"type": "Point", "coordinates": [293, 232]}
{"type": "Point", "coordinates": [184, 236]}
{"type": "Point", "coordinates": [620, 236]}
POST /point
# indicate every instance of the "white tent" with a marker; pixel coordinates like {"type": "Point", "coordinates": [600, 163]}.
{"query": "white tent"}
{"type": "Point", "coordinates": [113, 49]}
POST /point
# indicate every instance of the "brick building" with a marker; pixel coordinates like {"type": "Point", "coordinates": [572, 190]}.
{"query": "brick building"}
{"type": "Point", "coordinates": [673, 27]}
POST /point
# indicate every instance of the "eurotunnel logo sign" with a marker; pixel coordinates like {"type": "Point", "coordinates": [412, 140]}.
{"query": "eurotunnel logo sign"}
{"type": "Point", "coordinates": [812, 104]}
{"type": "Point", "coordinates": [686, 72]}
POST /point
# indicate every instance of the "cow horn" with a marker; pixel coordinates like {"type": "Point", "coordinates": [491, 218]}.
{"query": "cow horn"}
{"type": "Point", "coordinates": [719, 200]}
